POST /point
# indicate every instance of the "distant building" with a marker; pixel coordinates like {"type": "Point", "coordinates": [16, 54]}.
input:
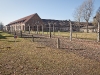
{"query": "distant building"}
{"type": "Point", "coordinates": [58, 25]}
{"type": "Point", "coordinates": [34, 22]}
{"type": "Point", "coordinates": [61, 25]}
{"type": "Point", "coordinates": [90, 29]}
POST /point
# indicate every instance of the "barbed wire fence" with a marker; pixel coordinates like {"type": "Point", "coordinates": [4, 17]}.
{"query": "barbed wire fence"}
{"type": "Point", "coordinates": [53, 38]}
{"type": "Point", "coordinates": [50, 36]}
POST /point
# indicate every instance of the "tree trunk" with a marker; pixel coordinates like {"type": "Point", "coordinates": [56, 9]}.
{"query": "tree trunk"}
{"type": "Point", "coordinates": [87, 27]}
{"type": "Point", "coordinates": [79, 26]}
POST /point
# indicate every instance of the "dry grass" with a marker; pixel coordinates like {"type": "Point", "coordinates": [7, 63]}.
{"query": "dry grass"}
{"type": "Point", "coordinates": [28, 58]}
{"type": "Point", "coordinates": [91, 36]}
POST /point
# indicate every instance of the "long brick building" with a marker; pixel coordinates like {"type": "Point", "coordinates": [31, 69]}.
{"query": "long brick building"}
{"type": "Point", "coordinates": [35, 23]}
{"type": "Point", "coordinates": [23, 24]}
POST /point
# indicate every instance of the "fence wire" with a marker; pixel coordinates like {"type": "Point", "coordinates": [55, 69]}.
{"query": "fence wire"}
{"type": "Point", "coordinates": [88, 49]}
{"type": "Point", "coordinates": [83, 47]}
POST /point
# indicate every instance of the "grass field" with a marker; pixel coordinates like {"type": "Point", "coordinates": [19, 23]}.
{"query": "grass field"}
{"type": "Point", "coordinates": [90, 36]}
{"type": "Point", "coordinates": [24, 57]}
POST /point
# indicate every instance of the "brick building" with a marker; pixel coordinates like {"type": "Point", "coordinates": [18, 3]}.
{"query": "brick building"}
{"type": "Point", "coordinates": [35, 23]}
{"type": "Point", "coordinates": [62, 25]}
{"type": "Point", "coordinates": [24, 24]}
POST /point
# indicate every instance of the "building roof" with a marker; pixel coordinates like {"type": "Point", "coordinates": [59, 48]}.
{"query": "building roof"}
{"type": "Point", "coordinates": [56, 22]}
{"type": "Point", "coordinates": [89, 27]}
{"type": "Point", "coordinates": [24, 19]}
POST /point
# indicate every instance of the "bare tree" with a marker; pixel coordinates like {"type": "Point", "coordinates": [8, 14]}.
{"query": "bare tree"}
{"type": "Point", "coordinates": [87, 10]}
{"type": "Point", "coordinates": [84, 12]}
{"type": "Point", "coordinates": [95, 22]}
{"type": "Point", "coordinates": [1, 26]}
{"type": "Point", "coordinates": [98, 20]}
{"type": "Point", "coordinates": [78, 15]}
{"type": "Point", "coordinates": [98, 15]}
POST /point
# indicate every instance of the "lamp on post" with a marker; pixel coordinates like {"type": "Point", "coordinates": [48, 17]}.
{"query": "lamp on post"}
{"type": "Point", "coordinates": [70, 30]}
{"type": "Point", "coordinates": [98, 31]}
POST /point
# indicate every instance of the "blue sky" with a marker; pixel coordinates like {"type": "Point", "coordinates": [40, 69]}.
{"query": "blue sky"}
{"type": "Point", "coordinates": [11, 10]}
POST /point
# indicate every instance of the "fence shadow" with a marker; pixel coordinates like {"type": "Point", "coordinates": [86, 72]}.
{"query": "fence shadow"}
{"type": "Point", "coordinates": [2, 37]}
{"type": "Point", "coordinates": [5, 37]}
{"type": "Point", "coordinates": [9, 36]}
{"type": "Point", "coordinates": [13, 41]}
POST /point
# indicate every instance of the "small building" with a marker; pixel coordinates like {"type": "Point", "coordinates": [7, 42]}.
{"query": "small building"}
{"type": "Point", "coordinates": [90, 29]}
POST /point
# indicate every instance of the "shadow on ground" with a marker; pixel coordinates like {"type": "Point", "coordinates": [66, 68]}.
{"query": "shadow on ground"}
{"type": "Point", "coordinates": [13, 41]}
{"type": "Point", "coordinates": [4, 37]}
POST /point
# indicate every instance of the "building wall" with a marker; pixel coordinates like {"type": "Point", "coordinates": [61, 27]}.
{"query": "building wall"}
{"type": "Point", "coordinates": [24, 26]}
{"type": "Point", "coordinates": [89, 30]}
{"type": "Point", "coordinates": [64, 29]}
{"type": "Point", "coordinates": [33, 22]}
{"type": "Point", "coordinates": [17, 27]}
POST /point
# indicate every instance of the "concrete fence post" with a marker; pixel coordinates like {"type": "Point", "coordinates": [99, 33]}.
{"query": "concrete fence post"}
{"type": "Point", "coordinates": [32, 38]}
{"type": "Point", "coordinates": [42, 30]}
{"type": "Point", "coordinates": [29, 28]}
{"type": "Point", "coordinates": [70, 30]}
{"type": "Point", "coordinates": [21, 34]}
{"type": "Point", "coordinates": [98, 37]}
{"type": "Point", "coordinates": [58, 43]}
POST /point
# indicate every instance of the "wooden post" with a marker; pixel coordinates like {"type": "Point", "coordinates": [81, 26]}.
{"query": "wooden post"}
{"type": "Point", "coordinates": [15, 36]}
{"type": "Point", "coordinates": [53, 29]}
{"type": "Point", "coordinates": [42, 30]}
{"type": "Point", "coordinates": [70, 30]}
{"type": "Point", "coordinates": [58, 43]}
{"type": "Point", "coordinates": [32, 38]}
{"type": "Point", "coordinates": [37, 29]}
{"type": "Point", "coordinates": [49, 30]}
{"type": "Point", "coordinates": [58, 32]}
{"type": "Point", "coordinates": [98, 37]}
{"type": "Point", "coordinates": [76, 35]}
{"type": "Point", "coordinates": [29, 29]}
{"type": "Point", "coordinates": [15, 40]}
{"type": "Point", "coordinates": [21, 34]}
